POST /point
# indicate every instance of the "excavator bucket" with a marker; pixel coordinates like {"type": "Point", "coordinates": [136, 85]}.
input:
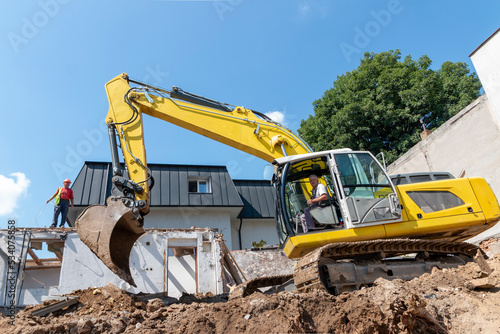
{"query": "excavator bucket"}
{"type": "Point", "coordinates": [110, 232]}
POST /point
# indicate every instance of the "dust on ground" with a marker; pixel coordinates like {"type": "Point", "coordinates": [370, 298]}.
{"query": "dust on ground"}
{"type": "Point", "coordinates": [446, 301]}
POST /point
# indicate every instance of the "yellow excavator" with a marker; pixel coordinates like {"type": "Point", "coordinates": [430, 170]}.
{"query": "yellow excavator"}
{"type": "Point", "coordinates": [363, 229]}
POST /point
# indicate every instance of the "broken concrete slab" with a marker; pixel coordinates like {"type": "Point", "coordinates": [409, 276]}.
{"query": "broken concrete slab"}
{"type": "Point", "coordinates": [490, 246]}
{"type": "Point", "coordinates": [484, 283]}
{"type": "Point", "coordinates": [263, 262]}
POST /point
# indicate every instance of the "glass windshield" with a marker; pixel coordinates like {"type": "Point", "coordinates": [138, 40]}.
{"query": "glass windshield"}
{"type": "Point", "coordinates": [335, 191]}
{"type": "Point", "coordinates": [361, 176]}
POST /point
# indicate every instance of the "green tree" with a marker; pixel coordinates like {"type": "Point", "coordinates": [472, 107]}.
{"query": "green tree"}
{"type": "Point", "coordinates": [378, 106]}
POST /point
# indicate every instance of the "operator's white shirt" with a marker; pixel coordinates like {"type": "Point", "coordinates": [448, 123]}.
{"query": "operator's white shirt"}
{"type": "Point", "coordinates": [320, 190]}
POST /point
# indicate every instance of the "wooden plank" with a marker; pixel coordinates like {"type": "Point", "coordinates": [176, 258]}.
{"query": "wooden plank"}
{"type": "Point", "coordinates": [44, 267]}
{"type": "Point", "coordinates": [232, 265]}
{"type": "Point", "coordinates": [34, 257]}
{"type": "Point", "coordinates": [70, 300]}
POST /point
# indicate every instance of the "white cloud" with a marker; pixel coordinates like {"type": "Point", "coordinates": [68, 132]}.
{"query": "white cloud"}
{"type": "Point", "coordinates": [11, 190]}
{"type": "Point", "coordinates": [277, 116]}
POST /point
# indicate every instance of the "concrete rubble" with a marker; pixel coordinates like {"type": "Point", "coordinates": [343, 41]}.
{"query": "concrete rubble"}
{"type": "Point", "coordinates": [459, 300]}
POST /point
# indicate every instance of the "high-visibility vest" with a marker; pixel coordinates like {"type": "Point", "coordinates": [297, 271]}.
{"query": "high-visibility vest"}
{"type": "Point", "coordinates": [58, 197]}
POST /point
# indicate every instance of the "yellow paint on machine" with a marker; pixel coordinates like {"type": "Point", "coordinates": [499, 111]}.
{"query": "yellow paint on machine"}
{"type": "Point", "coordinates": [300, 245]}
{"type": "Point", "coordinates": [479, 212]}
{"type": "Point", "coordinates": [486, 198]}
{"type": "Point", "coordinates": [444, 228]}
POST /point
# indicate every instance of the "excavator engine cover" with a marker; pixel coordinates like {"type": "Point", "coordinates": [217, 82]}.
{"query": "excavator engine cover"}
{"type": "Point", "coordinates": [110, 232]}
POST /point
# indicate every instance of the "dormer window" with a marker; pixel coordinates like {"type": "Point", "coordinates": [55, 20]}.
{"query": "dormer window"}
{"type": "Point", "coordinates": [199, 185]}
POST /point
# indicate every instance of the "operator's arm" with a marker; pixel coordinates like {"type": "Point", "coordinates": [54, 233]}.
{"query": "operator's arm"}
{"type": "Point", "coordinates": [323, 195]}
{"type": "Point", "coordinates": [55, 194]}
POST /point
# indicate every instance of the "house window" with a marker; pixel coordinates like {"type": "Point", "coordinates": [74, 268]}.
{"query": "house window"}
{"type": "Point", "coordinates": [199, 185]}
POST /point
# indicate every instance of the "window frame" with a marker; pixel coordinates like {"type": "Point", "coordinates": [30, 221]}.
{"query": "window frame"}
{"type": "Point", "coordinates": [200, 180]}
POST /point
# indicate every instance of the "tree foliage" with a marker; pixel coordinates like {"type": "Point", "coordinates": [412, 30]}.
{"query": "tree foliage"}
{"type": "Point", "coordinates": [378, 106]}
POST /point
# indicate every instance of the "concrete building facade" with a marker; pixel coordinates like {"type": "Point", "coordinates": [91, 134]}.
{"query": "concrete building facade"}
{"type": "Point", "coordinates": [485, 60]}
{"type": "Point", "coordinates": [466, 145]}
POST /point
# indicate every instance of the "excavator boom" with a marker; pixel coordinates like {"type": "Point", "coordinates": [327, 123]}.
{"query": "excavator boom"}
{"type": "Point", "coordinates": [111, 231]}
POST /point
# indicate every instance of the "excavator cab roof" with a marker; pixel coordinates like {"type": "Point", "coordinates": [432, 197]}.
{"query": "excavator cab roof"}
{"type": "Point", "coordinates": [293, 158]}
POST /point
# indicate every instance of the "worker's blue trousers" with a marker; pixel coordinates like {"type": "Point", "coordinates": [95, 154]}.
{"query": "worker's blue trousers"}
{"type": "Point", "coordinates": [62, 208]}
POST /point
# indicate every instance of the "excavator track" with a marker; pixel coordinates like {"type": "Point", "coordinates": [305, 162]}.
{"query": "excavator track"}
{"type": "Point", "coordinates": [349, 266]}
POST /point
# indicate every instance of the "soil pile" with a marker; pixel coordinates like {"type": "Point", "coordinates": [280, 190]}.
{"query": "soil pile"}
{"type": "Point", "coordinates": [445, 301]}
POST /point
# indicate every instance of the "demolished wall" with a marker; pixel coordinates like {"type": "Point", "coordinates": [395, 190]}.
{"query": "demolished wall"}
{"type": "Point", "coordinates": [168, 261]}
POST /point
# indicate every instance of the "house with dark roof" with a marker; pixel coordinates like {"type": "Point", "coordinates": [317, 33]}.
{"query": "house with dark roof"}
{"type": "Point", "coordinates": [184, 196]}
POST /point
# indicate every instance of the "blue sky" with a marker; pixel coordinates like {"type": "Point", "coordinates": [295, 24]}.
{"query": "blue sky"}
{"type": "Point", "coordinates": [275, 55]}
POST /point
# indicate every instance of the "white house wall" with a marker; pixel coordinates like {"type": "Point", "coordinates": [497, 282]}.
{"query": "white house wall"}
{"type": "Point", "coordinates": [485, 60]}
{"type": "Point", "coordinates": [37, 278]}
{"type": "Point", "coordinates": [39, 283]}
{"type": "Point", "coordinates": [35, 281]}
{"type": "Point", "coordinates": [469, 141]}
{"type": "Point", "coordinates": [254, 230]}
{"type": "Point", "coordinates": [81, 269]}
{"type": "Point", "coordinates": [33, 296]}
{"type": "Point", "coordinates": [19, 242]}
{"type": "Point", "coordinates": [5, 276]}
{"type": "Point", "coordinates": [187, 217]}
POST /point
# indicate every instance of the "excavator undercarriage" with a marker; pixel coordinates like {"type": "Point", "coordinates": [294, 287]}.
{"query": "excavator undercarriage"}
{"type": "Point", "coordinates": [348, 266]}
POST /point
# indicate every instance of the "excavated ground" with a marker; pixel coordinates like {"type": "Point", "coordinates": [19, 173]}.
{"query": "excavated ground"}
{"type": "Point", "coordinates": [445, 301]}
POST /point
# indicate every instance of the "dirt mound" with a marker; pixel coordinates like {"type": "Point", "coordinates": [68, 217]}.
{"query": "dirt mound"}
{"type": "Point", "coordinates": [445, 301]}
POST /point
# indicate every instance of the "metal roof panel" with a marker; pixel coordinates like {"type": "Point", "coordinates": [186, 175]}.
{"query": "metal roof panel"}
{"type": "Point", "coordinates": [93, 185]}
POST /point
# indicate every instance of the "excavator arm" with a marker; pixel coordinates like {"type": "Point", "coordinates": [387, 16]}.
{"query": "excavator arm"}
{"type": "Point", "coordinates": [110, 231]}
{"type": "Point", "coordinates": [238, 127]}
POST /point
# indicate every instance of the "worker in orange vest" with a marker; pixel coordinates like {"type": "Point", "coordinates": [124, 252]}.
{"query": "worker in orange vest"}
{"type": "Point", "coordinates": [63, 196]}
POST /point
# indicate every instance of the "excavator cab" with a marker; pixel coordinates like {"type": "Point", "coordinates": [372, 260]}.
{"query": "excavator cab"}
{"type": "Point", "coordinates": [360, 192]}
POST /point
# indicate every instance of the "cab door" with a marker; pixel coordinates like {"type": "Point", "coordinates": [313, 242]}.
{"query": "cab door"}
{"type": "Point", "coordinates": [366, 194]}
